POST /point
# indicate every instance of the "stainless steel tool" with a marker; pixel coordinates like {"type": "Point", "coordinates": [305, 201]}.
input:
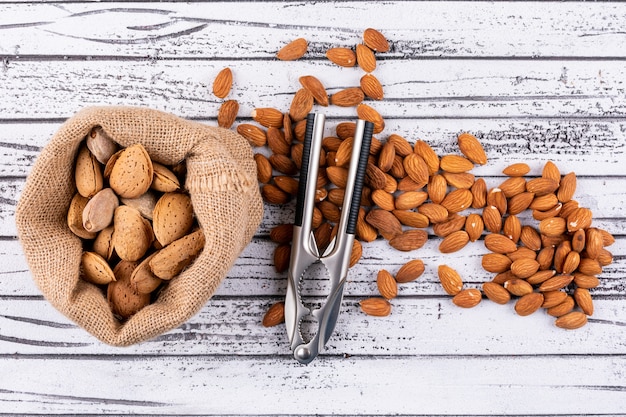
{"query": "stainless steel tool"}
{"type": "Point", "coordinates": [304, 252]}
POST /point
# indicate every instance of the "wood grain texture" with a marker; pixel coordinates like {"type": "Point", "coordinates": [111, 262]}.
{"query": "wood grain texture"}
{"type": "Point", "coordinates": [534, 81]}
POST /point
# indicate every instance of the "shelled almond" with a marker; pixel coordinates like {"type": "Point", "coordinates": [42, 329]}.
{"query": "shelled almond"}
{"type": "Point", "coordinates": [136, 224]}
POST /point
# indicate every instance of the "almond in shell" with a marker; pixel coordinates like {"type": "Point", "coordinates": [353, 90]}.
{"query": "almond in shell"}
{"type": "Point", "coordinates": [132, 172]}
{"type": "Point", "coordinates": [96, 269]}
{"type": "Point", "coordinates": [145, 204]}
{"type": "Point", "coordinates": [172, 259]}
{"type": "Point", "coordinates": [75, 217]}
{"type": "Point", "coordinates": [142, 279]}
{"type": "Point", "coordinates": [125, 301]}
{"type": "Point", "coordinates": [164, 180]}
{"type": "Point", "coordinates": [173, 217]}
{"type": "Point", "coordinates": [87, 173]}
{"type": "Point", "coordinates": [103, 244]}
{"type": "Point", "coordinates": [132, 235]}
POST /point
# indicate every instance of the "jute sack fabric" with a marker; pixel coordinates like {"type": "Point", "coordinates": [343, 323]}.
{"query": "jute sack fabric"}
{"type": "Point", "coordinates": [221, 180]}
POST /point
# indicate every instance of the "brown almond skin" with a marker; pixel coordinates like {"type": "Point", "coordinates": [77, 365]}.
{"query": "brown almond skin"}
{"type": "Point", "coordinates": [410, 271]}
{"type": "Point", "coordinates": [468, 298]}
{"type": "Point", "coordinates": [529, 303]}
{"type": "Point", "coordinates": [275, 315]}
{"type": "Point", "coordinates": [496, 293]}
{"type": "Point", "coordinates": [173, 217]}
{"type": "Point", "coordinates": [98, 213]}
{"type": "Point", "coordinates": [450, 279]}
{"type": "Point", "coordinates": [376, 306]}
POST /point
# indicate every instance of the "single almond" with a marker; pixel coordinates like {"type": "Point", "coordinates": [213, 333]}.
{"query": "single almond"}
{"type": "Point", "coordinates": [223, 83]}
{"type": "Point", "coordinates": [544, 202]}
{"type": "Point", "coordinates": [474, 226]}
{"type": "Point", "coordinates": [293, 50]}
{"type": "Point", "coordinates": [142, 280]}
{"type": "Point", "coordinates": [450, 279]}
{"type": "Point", "coordinates": [512, 228]}
{"type": "Point", "coordinates": [375, 306]}
{"type": "Point", "coordinates": [98, 212]}
{"type": "Point", "coordinates": [274, 195]}
{"type": "Point", "coordinates": [101, 145]}
{"type": "Point", "coordinates": [173, 217]}
{"type": "Point", "coordinates": [516, 170]}
{"type": "Point", "coordinates": [254, 134]}
{"type": "Point", "coordinates": [316, 88]}
{"type": "Point", "coordinates": [411, 218]}
{"type": "Point", "coordinates": [565, 307]}
{"type": "Point", "coordinates": [282, 233]}
{"type": "Point", "coordinates": [471, 148]}
{"type": "Point", "coordinates": [499, 243]}
{"type": "Point", "coordinates": [178, 255]}
{"type": "Point", "coordinates": [274, 315]}
{"type": "Point", "coordinates": [301, 105]}
{"type": "Point", "coordinates": [513, 186]}
{"type": "Point", "coordinates": [467, 298]}
{"type": "Point", "coordinates": [454, 241]}
{"type": "Point", "coordinates": [75, 217]}
{"type": "Point", "coordinates": [518, 287]}
{"type": "Point", "coordinates": [283, 163]}
{"type": "Point", "coordinates": [429, 155]}
{"type": "Point", "coordinates": [541, 186]}
{"type": "Point", "coordinates": [540, 276]}
{"type": "Point", "coordinates": [387, 285]}
{"type": "Point", "coordinates": [492, 219]}
{"type": "Point", "coordinates": [416, 168]}
{"type": "Point", "coordinates": [572, 260]}
{"type": "Point", "coordinates": [348, 97]}
{"type": "Point", "coordinates": [372, 87]}
{"type": "Point", "coordinates": [553, 298]}
{"type": "Point", "coordinates": [365, 58]}
{"type": "Point", "coordinates": [529, 303]}
{"type": "Point", "coordinates": [375, 40]}
{"type": "Point", "coordinates": [463, 180]}
{"type": "Point", "coordinates": [455, 163]}
{"type": "Point", "coordinates": [343, 57]}
{"type": "Point", "coordinates": [263, 168]}
{"type": "Point", "coordinates": [437, 188]}
{"type": "Point", "coordinates": [496, 293]}
{"type": "Point", "coordinates": [87, 173]}
{"type": "Point", "coordinates": [479, 193]}
{"type": "Point", "coordinates": [268, 116]}
{"type": "Point", "coordinates": [132, 173]}
{"type": "Point", "coordinates": [164, 180]}
{"type": "Point", "coordinates": [556, 283]}
{"type": "Point", "coordinates": [457, 200]}
{"type": "Point", "coordinates": [589, 266]}
{"type": "Point", "coordinates": [524, 267]}
{"type": "Point", "coordinates": [282, 256]}
{"type": "Point", "coordinates": [530, 238]}
{"type": "Point", "coordinates": [125, 301]}
{"type": "Point", "coordinates": [551, 171]}
{"type": "Point", "coordinates": [131, 238]}
{"type": "Point", "coordinates": [496, 198]}
{"type": "Point", "coordinates": [571, 321]}
{"type": "Point", "coordinates": [522, 253]}
{"type": "Point", "coordinates": [287, 184]}
{"type": "Point", "coordinates": [95, 269]}
{"type": "Point", "coordinates": [409, 240]}
{"type": "Point", "coordinates": [410, 271]}
{"type": "Point", "coordinates": [436, 213]}
{"type": "Point", "coordinates": [368, 113]}
{"type": "Point", "coordinates": [593, 243]}
{"type": "Point", "coordinates": [553, 226]}
{"type": "Point", "coordinates": [580, 218]}
{"type": "Point", "coordinates": [227, 113]}
{"type": "Point", "coordinates": [384, 221]}
{"type": "Point", "coordinates": [584, 301]}
{"type": "Point", "coordinates": [495, 262]}
{"type": "Point", "coordinates": [520, 202]}
{"type": "Point", "coordinates": [454, 223]}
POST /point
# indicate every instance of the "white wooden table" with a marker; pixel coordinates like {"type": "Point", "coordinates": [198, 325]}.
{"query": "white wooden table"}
{"type": "Point", "coordinates": [534, 81]}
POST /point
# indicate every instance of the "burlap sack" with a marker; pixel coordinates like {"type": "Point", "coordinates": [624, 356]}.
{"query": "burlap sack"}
{"type": "Point", "coordinates": [222, 183]}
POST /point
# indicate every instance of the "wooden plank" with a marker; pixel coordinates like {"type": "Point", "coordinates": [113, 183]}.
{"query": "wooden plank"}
{"type": "Point", "coordinates": [450, 385]}
{"type": "Point", "coordinates": [253, 274]}
{"type": "Point", "coordinates": [605, 198]}
{"type": "Point", "coordinates": [579, 145]}
{"type": "Point", "coordinates": [418, 325]}
{"type": "Point", "coordinates": [433, 89]}
{"type": "Point", "coordinates": [416, 29]}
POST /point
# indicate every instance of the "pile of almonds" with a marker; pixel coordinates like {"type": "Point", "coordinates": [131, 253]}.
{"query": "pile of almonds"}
{"type": "Point", "coordinates": [137, 224]}
{"type": "Point", "coordinates": [410, 189]}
